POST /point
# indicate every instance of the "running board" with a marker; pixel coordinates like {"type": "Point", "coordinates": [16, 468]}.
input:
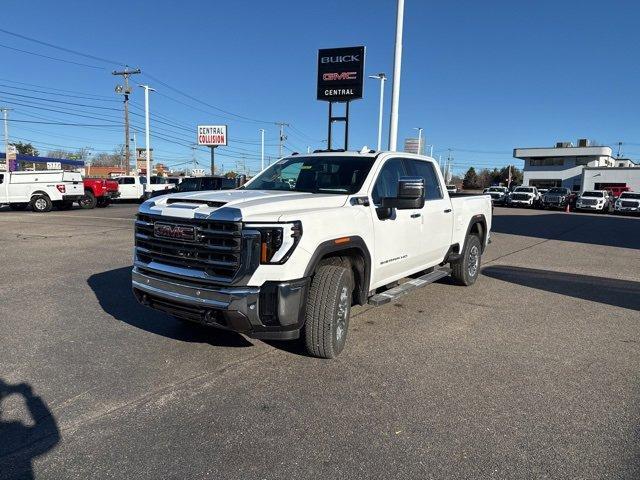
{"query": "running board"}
{"type": "Point", "coordinates": [408, 286]}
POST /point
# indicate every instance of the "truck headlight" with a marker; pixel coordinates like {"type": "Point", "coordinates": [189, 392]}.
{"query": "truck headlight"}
{"type": "Point", "coordinates": [277, 241]}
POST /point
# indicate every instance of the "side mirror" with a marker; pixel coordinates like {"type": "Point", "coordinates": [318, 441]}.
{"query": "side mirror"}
{"type": "Point", "coordinates": [410, 194]}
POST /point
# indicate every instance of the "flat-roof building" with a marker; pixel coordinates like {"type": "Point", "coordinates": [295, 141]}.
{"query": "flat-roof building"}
{"type": "Point", "coordinates": [578, 167]}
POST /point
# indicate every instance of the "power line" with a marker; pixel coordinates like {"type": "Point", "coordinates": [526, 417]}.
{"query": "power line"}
{"type": "Point", "coordinates": [54, 89]}
{"type": "Point", "coordinates": [64, 49]}
{"type": "Point", "coordinates": [60, 101]}
{"type": "Point", "coordinates": [52, 58]}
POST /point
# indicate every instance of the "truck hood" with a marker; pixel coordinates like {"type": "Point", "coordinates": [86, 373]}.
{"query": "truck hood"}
{"type": "Point", "coordinates": [248, 205]}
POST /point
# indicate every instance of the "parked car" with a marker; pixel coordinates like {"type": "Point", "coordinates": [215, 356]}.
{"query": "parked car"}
{"type": "Point", "coordinates": [134, 187]}
{"type": "Point", "coordinates": [279, 259]}
{"type": "Point", "coordinates": [628, 202]}
{"type": "Point", "coordinates": [98, 192]}
{"type": "Point", "coordinates": [199, 184]}
{"type": "Point", "coordinates": [452, 189]}
{"type": "Point", "coordinates": [524, 197]}
{"type": "Point", "coordinates": [595, 200]}
{"type": "Point", "coordinates": [557, 197]}
{"type": "Point", "coordinates": [41, 189]}
{"type": "Point", "coordinates": [498, 195]}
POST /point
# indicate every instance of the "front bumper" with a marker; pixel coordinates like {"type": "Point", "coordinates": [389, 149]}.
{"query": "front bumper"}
{"type": "Point", "coordinates": [580, 206]}
{"type": "Point", "coordinates": [521, 202]}
{"type": "Point", "coordinates": [274, 311]}
{"type": "Point", "coordinates": [627, 209]}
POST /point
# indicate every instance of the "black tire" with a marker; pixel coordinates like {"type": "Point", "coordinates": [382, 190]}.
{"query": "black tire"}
{"type": "Point", "coordinates": [104, 202]}
{"type": "Point", "coordinates": [88, 201]}
{"type": "Point", "coordinates": [18, 207]}
{"type": "Point", "coordinates": [41, 203]}
{"type": "Point", "coordinates": [465, 270]}
{"type": "Point", "coordinates": [327, 311]}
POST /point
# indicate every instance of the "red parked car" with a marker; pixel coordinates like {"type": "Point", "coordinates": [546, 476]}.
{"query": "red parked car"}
{"type": "Point", "coordinates": [98, 192]}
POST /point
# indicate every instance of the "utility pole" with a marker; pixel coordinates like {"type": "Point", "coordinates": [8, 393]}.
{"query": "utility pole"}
{"type": "Point", "coordinates": [619, 149]}
{"type": "Point", "coordinates": [395, 89]}
{"type": "Point", "coordinates": [383, 78]}
{"type": "Point", "coordinates": [126, 90]}
{"type": "Point", "coordinates": [5, 115]}
{"type": "Point", "coordinates": [193, 158]}
{"type": "Point", "coordinates": [283, 137]}
{"type": "Point", "coordinates": [261, 149]}
{"type": "Point", "coordinates": [135, 153]}
{"type": "Point", "coordinates": [147, 88]}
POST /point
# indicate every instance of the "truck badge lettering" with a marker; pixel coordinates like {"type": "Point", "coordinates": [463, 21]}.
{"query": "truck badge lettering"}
{"type": "Point", "coordinates": [176, 232]}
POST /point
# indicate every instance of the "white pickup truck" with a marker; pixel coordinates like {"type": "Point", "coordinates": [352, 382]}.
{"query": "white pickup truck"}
{"type": "Point", "coordinates": [134, 187]}
{"type": "Point", "coordinates": [287, 254]}
{"type": "Point", "coordinates": [40, 189]}
{"type": "Point", "coordinates": [524, 196]}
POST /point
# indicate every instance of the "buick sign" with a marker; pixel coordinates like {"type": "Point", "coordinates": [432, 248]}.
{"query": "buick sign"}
{"type": "Point", "coordinates": [340, 74]}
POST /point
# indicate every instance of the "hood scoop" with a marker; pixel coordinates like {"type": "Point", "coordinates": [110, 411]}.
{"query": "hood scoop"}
{"type": "Point", "coordinates": [194, 201]}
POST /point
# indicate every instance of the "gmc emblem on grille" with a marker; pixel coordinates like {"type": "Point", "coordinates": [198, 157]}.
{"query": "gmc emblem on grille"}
{"type": "Point", "coordinates": [175, 232]}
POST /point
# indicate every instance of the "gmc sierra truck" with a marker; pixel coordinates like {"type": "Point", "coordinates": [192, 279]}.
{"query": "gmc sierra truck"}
{"type": "Point", "coordinates": [288, 254]}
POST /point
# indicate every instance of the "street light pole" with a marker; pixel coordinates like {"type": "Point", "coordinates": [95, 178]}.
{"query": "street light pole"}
{"type": "Point", "coordinates": [382, 77]}
{"type": "Point", "coordinates": [395, 89]}
{"type": "Point", "coordinates": [419, 139]}
{"type": "Point", "coordinates": [261, 149]}
{"type": "Point", "coordinates": [5, 112]}
{"type": "Point", "coordinates": [147, 88]}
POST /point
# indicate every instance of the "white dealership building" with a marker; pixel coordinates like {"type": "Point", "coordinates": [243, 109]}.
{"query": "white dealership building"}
{"type": "Point", "coordinates": [581, 167]}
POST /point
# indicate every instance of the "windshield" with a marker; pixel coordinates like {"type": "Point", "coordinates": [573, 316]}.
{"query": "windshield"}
{"type": "Point", "coordinates": [629, 195]}
{"type": "Point", "coordinates": [322, 174]}
{"type": "Point", "coordinates": [561, 191]}
{"type": "Point", "coordinates": [593, 194]}
{"type": "Point", "coordinates": [524, 189]}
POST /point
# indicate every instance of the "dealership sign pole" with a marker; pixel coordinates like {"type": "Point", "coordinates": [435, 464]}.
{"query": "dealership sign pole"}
{"type": "Point", "coordinates": [340, 80]}
{"type": "Point", "coordinates": [212, 136]}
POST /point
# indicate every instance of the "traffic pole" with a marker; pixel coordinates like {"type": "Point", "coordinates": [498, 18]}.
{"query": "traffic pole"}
{"type": "Point", "coordinates": [147, 88]}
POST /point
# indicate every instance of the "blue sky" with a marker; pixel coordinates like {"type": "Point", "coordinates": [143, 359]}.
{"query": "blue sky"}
{"type": "Point", "coordinates": [479, 77]}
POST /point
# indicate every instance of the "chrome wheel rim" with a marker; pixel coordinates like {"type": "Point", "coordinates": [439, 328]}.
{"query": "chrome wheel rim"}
{"type": "Point", "coordinates": [474, 261]}
{"type": "Point", "coordinates": [343, 306]}
{"type": "Point", "coordinates": [41, 204]}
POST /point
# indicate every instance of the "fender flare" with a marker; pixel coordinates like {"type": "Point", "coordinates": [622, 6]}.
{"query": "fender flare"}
{"type": "Point", "coordinates": [482, 221]}
{"type": "Point", "coordinates": [330, 247]}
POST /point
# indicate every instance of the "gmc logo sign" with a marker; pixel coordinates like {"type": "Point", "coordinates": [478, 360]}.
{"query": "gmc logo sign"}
{"type": "Point", "coordinates": [328, 77]}
{"type": "Point", "coordinates": [175, 232]}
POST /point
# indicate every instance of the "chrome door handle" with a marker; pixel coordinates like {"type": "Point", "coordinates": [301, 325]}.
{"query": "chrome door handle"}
{"type": "Point", "coordinates": [448, 210]}
{"type": "Point", "coordinates": [415, 215]}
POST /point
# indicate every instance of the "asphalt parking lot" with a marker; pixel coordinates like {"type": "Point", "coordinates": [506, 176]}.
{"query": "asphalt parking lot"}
{"type": "Point", "coordinates": [531, 373]}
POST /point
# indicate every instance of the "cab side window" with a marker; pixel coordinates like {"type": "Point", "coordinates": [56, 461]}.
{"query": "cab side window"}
{"type": "Point", "coordinates": [1, 177]}
{"type": "Point", "coordinates": [387, 182]}
{"type": "Point", "coordinates": [426, 170]}
{"type": "Point", "coordinates": [129, 180]}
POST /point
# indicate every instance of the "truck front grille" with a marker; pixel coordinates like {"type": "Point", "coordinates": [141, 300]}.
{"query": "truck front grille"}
{"type": "Point", "coordinates": [628, 204]}
{"type": "Point", "coordinates": [520, 196]}
{"type": "Point", "coordinates": [216, 249]}
{"type": "Point", "coordinates": [589, 201]}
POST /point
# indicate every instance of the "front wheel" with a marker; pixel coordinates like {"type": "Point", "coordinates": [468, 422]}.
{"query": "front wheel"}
{"type": "Point", "coordinates": [466, 269]}
{"type": "Point", "coordinates": [327, 311]}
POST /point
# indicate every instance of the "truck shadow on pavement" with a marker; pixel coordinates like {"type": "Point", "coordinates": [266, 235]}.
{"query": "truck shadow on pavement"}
{"type": "Point", "coordinates": [20, 442]}
{"type": "Point", "coordinates": [604, 230]}
{"type": "Point", "coordinates": [610, 291]}
{"type": "Point", "coordinates": [113, 290]}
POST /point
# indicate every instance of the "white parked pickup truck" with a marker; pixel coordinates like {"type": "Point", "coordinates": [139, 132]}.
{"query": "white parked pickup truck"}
{"type": "Point", "coordinates": [524, 196]}
{"type": "Point", "coordinates": [134, 187]}
{"type": "Point", "coordinates": [40, 189]}
{"type": "Point", "coordinates": [628, 202]}
{"type": "Point", "coordinates": [287, 254]}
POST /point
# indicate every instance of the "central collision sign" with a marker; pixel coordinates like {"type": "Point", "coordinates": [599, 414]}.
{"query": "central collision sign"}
{"type": "Point", "coordinates": [340, 74]}
{"type": "Point", "coordinates": [212, 135]}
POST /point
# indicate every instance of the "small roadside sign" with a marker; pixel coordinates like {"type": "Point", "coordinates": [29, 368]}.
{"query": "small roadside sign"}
{"type": "Point", "coordinates": [212, 135]}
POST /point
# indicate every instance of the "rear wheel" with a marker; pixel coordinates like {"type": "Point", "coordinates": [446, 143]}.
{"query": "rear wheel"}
{"type": "Point", "coordinates": [327, 312]}
{"type": "Point", "coordinates": [88, 201]}
{"type": "Point", "coordinates": [466, 269]}
{"type": "Point", "coordinates": [41, 203]}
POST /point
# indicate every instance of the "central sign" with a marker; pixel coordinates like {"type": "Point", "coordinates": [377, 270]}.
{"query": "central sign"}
{"type": "Point", "coordinates": [212, 135]}
{"type": "Point", "coordinates": [340, 74]}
